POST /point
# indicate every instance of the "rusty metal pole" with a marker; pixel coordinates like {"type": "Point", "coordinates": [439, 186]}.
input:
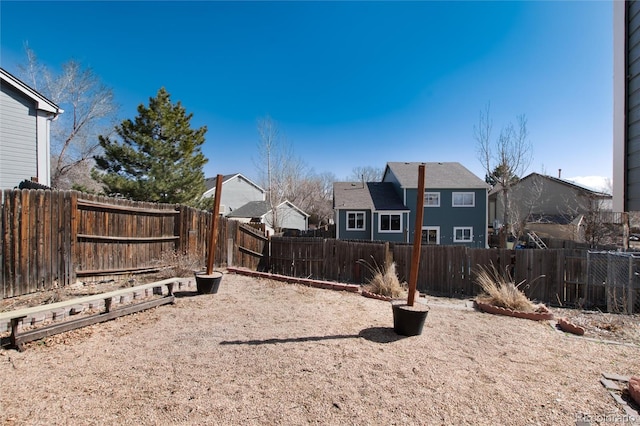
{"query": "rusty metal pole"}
{"type": "Point", "coordinates": [214, 226]}
{"type": "Point", "coordinates": [417, 238]}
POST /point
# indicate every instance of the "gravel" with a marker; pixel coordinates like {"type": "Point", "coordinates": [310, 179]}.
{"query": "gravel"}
{"type": "Point", "coordinates": [264, 352]}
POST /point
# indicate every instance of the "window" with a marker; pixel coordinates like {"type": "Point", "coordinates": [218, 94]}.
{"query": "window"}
{"type": "Point", "coordinates": [431, 199]}
{"type": "Point", "coordinates": [355, 221]}
{"type": "Point", "coordinates": [463, 234]}
{"type": "Point", "coordinates": [390, 222]}
{"type": "Point", "coordinates": [431, 235]}
{"type": "Point", "coordinates": [464, 199]}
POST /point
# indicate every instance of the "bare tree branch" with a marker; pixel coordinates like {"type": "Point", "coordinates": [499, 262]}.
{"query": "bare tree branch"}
{"type": "Point", "coordinates": [504, 159]}
{"type": "Point", "coordinates": [90, 111]}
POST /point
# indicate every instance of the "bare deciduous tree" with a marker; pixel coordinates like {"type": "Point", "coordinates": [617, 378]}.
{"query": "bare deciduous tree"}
{"type": "Point", "coordinates": [280, 170]}
{"type": "Point", "coordinates": [286, 176]}
{"type": "Point", "coordinates": [313, 195]}
{"type": "Point", "coordinates": [598, 224]}
{"type": "Point", "coordinates": [366, 174]}
{"type": "Point", "coordinates": [510, 154]}
{"type": "Point", "coordinates": [90, 110]}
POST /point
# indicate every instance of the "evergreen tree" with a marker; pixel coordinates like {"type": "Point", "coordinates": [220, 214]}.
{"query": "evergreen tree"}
{"type": "Point", "coordinates": [159, 158]}
{"type": "Point", "coordinates": [499, 172]}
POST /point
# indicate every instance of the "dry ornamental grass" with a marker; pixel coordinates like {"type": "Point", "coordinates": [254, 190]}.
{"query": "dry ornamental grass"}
{"type": "Point", "coordinates": [263, 352]}
{"type": "Point", "coordinates": [499, 290]}
{"type": "Point", "coordinates": [384, 280]}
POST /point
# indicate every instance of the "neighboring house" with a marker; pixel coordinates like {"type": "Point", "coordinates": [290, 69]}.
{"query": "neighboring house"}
{"type": "Point", "coordinates": [288, 215]}
{"type": "Point", "coordinates": [549, 206]}
{"type": "Point", "coordinates": [25, 145]}
{"type": "Point", "coordinates": [455, 206]}
{"type": "Point", "coordinates": [237, 191]}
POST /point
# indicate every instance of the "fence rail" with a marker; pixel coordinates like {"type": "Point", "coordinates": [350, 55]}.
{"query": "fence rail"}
{"type": "Point", "coordinates": [557, 277]}
{"type": "Point", "coordinates": [50, 238]}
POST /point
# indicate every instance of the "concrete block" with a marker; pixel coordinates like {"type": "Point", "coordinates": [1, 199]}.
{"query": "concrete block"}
{"type": "Point", "coordinates": [76, 309]}
{"type": "Point", "coordinates": [58, 314]}
{"type": "Point", "coordinates": [36, 318]}
{"type": "Point", "coordinates": [96, 304]}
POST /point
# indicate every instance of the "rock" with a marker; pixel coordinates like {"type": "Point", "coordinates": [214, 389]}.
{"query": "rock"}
{"type": "Point", "coordinates": [634, 388]}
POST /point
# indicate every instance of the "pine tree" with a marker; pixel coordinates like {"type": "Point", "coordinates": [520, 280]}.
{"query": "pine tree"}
{"type": "Point", "coordinates": [159, 157]}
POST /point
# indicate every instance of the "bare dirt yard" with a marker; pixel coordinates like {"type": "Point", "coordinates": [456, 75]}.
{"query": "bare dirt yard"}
{"type": "Point", "coordinates": [265, 352]}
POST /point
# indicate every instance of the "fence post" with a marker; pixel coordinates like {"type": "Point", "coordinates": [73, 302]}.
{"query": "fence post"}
{"type": "Point", "coordinates": [388, 255]}
{"type": "Point", "coordinates": [73, 237]}
{"type": "Point", "coordinates": [178, 229]}
{"type": "Point", "coordinates": [229, 251]}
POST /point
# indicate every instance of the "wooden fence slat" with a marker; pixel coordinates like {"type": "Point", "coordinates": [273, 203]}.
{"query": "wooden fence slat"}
{"type": "Point", "coordinates": [49, 236]}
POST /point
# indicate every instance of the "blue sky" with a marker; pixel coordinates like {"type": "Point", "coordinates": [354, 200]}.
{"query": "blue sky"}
{"type": "Point", "coordinates": [349, 83]}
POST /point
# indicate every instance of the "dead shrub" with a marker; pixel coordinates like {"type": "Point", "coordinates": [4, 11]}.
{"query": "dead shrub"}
{"type": "Point", "coordinates": [175, 265]}
{"type": "Point", "coordinates": [384, 280]}
{"type": "Point", "coordinates": [500, 290]}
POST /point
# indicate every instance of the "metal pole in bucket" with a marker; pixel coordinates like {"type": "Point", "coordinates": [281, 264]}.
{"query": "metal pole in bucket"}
{"type": "Point", "coordinates": [214, 226]}
{"type": "Point", "coordinates": [210, 281]}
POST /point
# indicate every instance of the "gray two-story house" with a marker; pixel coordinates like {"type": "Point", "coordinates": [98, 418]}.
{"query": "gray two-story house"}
{"type": "Point", "coordinates": [454, 203]}
{"type": "Point", "coordinates": [25, 143]}
{"type": "Point", "coordinates": [237, 190]}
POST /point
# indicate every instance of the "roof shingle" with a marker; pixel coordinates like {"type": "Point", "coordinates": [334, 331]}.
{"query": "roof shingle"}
{"type": "Point", "coordinates": [451, 175]}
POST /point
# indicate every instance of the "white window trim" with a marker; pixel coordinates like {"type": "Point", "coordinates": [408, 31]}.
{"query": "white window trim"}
{"type": "Point", "coordinates": [433, 228]}
{"type": "Point", "coordinates": [453, 197]}
{"type": "Point", "coordinates": [389, 231]}
{"type": "Point", "coordinates": [431, 193]}
{"type": "Point", "coordinates": [456, 228]}
{"type": "Point", "coordinates": [364, 221]}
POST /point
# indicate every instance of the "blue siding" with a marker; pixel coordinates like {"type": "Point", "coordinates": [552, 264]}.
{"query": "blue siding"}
{"type": "Point", "coordinates": [396, 237]}
{"type": "Point", "coordinates": [354, 235]}
{"type": "Point", "coordinates": [447, 217]}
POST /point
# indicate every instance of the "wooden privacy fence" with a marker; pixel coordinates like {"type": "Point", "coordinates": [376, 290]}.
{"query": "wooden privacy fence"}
{"type": "Point", "coordinates": [51, 238]}
{"type": "Point", "coordinates": [329, 259]}
{"type": "Point", "coordinates": [554, 276]}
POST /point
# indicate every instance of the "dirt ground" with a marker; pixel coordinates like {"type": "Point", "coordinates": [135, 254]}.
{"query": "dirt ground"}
{"type": "Point", "coordinates": [265, 352]}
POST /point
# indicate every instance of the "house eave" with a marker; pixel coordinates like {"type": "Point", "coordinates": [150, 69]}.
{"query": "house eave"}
{"type": "Point", "coordinates": [42, 103]}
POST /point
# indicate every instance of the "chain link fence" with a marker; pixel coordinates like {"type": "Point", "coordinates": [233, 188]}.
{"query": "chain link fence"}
{"type": "Point", "coordinates": [613, 279]}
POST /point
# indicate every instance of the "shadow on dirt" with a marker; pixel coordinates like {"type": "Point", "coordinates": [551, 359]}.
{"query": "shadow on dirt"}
{"type": "Point", "coordinates": [373, 334]}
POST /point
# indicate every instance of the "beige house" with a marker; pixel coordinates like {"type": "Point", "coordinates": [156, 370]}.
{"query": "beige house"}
{"type": "Point", "coordinates": [549, 206]}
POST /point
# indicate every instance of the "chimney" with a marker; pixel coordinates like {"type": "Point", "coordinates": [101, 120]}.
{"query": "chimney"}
{"type": "Point", "coordinates": [559, 173]}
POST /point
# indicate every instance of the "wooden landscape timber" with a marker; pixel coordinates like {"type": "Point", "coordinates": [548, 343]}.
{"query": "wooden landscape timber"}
{"type": "Point", "coordinates": [18, 337]}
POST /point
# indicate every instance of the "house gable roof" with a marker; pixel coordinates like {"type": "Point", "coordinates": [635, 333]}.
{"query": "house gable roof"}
{"type": "Point", "coordinates": [572, 185]}
{"type": "Point", "coordinates": [569, 184]}
{"type": "Point", "coordinates": [42, 103]}
{"type": "Point", "coordinates": [260, 208]}
{"type": "Point", "coordinates": [210, 183]}
{"type": "Point", "coordinates": [366, 196]}
{"type": "Point", "coordinates": [294, 207]}
{"type": "Point", "coordinates": [251, 209]}
{"type": "Point", "coordinates": [440, 175]}
{"type": "Point", "coordinates": [351, 195]}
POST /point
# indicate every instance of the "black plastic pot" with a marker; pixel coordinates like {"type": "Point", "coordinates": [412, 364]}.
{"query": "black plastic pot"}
{"type": "Point", "coordinates": [409, 320]}
{"type": "Point", "coordinates": [208, 284]}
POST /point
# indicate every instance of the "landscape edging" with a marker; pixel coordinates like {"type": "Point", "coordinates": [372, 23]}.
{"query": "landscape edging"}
{"type": "Point", "coordinates": [329, 285]}
{"type": "Point", "coordinates": [535, 316]}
